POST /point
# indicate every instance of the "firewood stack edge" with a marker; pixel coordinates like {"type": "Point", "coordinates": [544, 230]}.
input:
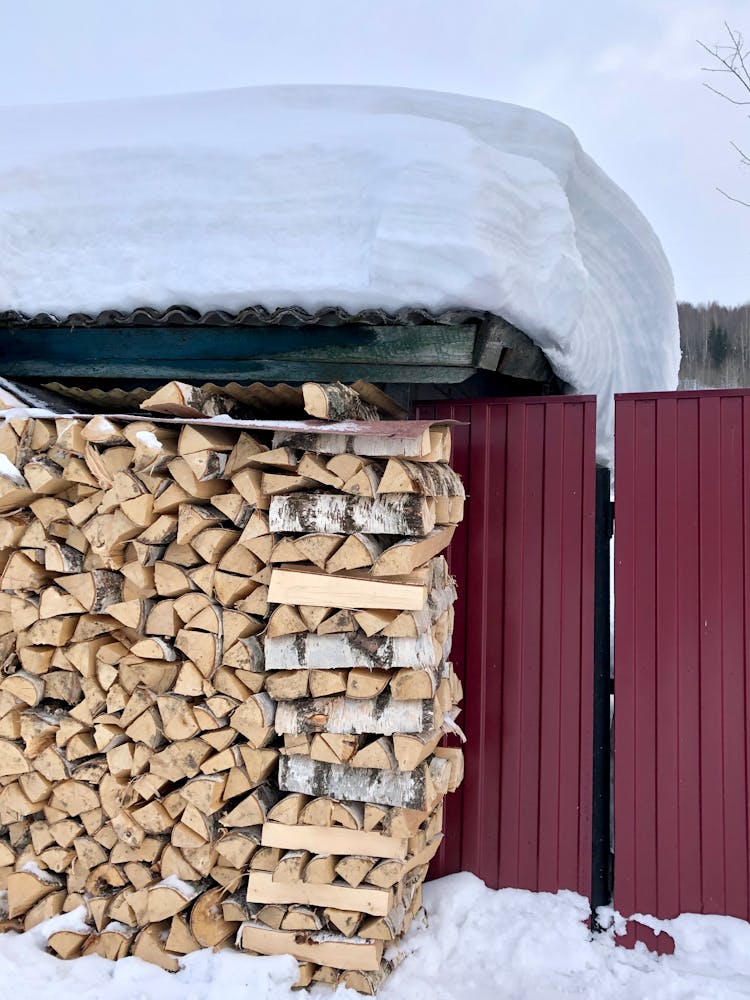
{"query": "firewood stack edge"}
{"type": "Point", "coordinates": [225, 675]}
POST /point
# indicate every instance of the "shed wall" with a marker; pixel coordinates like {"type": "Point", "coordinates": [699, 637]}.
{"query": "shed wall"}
{"type": "Point", "coordinates": [523, 645]}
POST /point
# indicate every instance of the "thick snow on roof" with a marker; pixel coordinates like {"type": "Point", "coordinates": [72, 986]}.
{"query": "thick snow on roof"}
{"type": "Point", "coordinates": [358, 197]}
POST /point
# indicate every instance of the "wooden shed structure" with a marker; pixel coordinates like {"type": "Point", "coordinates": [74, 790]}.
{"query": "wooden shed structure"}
{"type": "Point", "coordinates": [412, 353]}
{"type": "Point", "coordinates": [524, 647]}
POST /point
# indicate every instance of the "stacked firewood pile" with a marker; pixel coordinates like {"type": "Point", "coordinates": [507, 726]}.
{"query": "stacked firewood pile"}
{"type": "Point", "coordinates": [225, 677]}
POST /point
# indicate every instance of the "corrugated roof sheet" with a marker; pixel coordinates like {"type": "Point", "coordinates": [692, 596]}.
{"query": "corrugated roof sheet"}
{"type": "Point", "coordinates": [180, 315]}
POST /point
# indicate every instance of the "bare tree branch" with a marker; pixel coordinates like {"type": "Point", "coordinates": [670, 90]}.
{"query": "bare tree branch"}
{"type": "Point", "coordinates": [731, 197]}
{"type": "Point", "coordinates": [732, 59]}
{"type": "Point", "coordinates": [726, 97]}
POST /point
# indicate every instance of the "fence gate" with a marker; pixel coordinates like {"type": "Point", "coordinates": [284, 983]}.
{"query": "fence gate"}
{"type": "Point", "coordinates": [682, 655]}
{"type": "Point", "coordinates": [523, 644]}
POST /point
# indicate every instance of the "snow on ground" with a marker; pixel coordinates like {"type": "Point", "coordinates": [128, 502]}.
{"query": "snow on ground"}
{"type": "Point", "coordinates": [480, 944]}
{"type": "Point", "coordinates": [351, 196]}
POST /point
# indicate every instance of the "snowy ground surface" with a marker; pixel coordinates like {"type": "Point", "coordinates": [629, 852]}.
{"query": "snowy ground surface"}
{"type": "Point", "coordinates": [356, 197]}
{"type": "Point", "coordinates": [480, 944]}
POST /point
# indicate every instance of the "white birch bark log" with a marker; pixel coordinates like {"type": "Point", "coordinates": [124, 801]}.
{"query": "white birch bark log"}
{"type": "Point", "coordinates": [417, 789]}
{"type": "Point", "coordinates": [382, 716]}
{"type": "Point", "coordinates": [433, 479]}
{"type": "Point", "coordinates": [347, 650]}
{"type": "Point", "coordinates": [369, 445]}
{"type": "Point", "coordinates": [397, 514]}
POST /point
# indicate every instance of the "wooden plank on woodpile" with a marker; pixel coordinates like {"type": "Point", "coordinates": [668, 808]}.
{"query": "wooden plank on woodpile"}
{"type": "Point", "coordinates": [351, 591]}
{"type": "Point", "coordinates": [261, 888]}
{"type": "Point", "coordinates": [321, 948]}
{"type": "Point", "coordinates": [333, 840]}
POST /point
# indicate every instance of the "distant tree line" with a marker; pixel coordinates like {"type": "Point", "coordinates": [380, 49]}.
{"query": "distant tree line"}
{"type": "Point", "coordinates": [715, 345]}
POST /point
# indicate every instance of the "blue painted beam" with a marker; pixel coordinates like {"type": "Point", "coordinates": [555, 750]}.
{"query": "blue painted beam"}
{"type": "Point", "coordinates": [392, 353]}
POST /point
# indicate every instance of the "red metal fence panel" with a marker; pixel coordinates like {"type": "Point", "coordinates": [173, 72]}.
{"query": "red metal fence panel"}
{"type": "Point", "coordinates": [682, 697]}
{"type": "Point", "coordinates": [523, 644]}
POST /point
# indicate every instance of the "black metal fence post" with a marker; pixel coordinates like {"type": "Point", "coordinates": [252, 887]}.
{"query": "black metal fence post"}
{"type": "Point", "coordinates": [600, 816]}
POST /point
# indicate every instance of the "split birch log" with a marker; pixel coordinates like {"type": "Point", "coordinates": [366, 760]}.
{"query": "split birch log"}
{"type": "Point", "coordinates": [336, 401]}
{"type": "Point", "coordinates": [314, 467]}
{"type": "Point", "coordinates": [400, 514]}
{"type": "Point", "coordinates": [353, 868]}
{"type": "Point", "coordinates": [365, 982]}
{"type": "Point", "coordinates": [382, 715]}
{"type": "Point", "coordinates": [357, 552]}
{"type": "Point", "coordinates": [378, 754]}
{"type": "Point", "coordinates": [395, 923]}
{"type": "Point", "coordinates": [318, 547]}
{"type": "Point", "coordinates": [27, 887]}
{"type": "Point", "coordinates": [194, 439]}
{"type": "Point", "coordinates": [335, 748]}
{"type": "Point", "coordinates": [179, 399]}
{"type": "Point", "coordinates": [455, 757]}
{"type": "Point", "coordinates": [365, 482]}
{"type": "Point", "coordinates": [417, 789]}
{"type": "Point", "coordinates": [207, 924]}
{"type": "Point", "coordinates": [287, 684]}
{"type": "Point", "coordinates": [345, 651]}
{"type": "Point", "coordinates": [95, 590]}
{"type": "Point", "coordinates": [405, 556]}
{"type": "Point", "coordinates": [410, 685]}
{"type": "Point", "coordinates": [67, 944]}
{"type": "Point", "coordinates": [429, 478]}
{"type": "Point", "coordinates": [380, 400]}
{"type": "Point", "coordinates": [321, 869]}
{"type": "Point", "coordinates": [327, 682]}
{"type": "Point", "coordinates": [410, 749]}
{"type": "Point", "coordinates": [429, 443]}
{"type": "Point", "coordinates": [253, 809]}
{"type": "Point", "coordinates": [335, 624]}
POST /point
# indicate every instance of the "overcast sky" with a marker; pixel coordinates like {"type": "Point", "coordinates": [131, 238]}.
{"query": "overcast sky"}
{"type": "Point", "coordinates": [624, 74]}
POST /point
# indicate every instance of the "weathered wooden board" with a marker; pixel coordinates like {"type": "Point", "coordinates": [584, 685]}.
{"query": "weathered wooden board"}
{"type": "Point", "coordinates": [160, 351]}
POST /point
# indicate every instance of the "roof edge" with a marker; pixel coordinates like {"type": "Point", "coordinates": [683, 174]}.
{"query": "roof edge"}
{"type": "Point", "coordinates": [290, 316]}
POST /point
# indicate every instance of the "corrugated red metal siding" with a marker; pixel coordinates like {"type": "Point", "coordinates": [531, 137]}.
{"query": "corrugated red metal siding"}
{"type": "Point", "coordinates": [682, 565]}
{"type": "Point", "coordinates": [523, 645]}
